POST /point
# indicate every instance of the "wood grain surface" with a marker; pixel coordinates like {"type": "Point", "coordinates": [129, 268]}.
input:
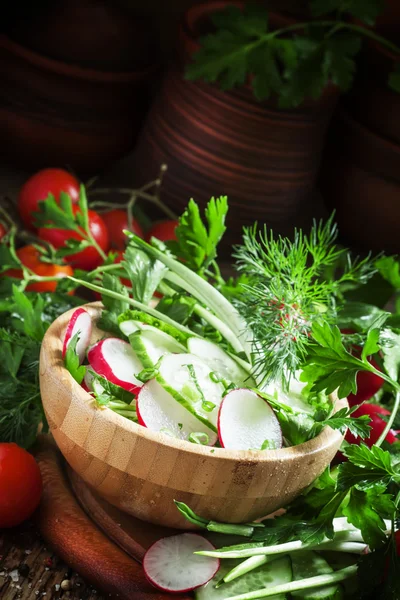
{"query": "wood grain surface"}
{"type": "Point", "coordinates": [142, 472]}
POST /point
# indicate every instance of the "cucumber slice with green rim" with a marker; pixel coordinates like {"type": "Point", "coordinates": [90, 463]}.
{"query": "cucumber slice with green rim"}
{"type": "Point", "coordinates": [275, 573]}
{"type": "Point", "coordinates": [139, 319]}
{"type": "Point", "coordinates": [219, 361]}
{"type": "Point", "coordinates": [150, 344]}
{"type": "Point", "coordinates": [309, 564]}
{"type": "Point", "coordinates": [159, 411]}
{"type": "Point", "coordinates": [187, 378]}
{"type": "Point", "coordinates": [293, 398]}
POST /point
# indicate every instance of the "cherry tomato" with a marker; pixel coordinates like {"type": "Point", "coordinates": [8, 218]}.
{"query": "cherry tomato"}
{"type": "Point", "coordinates": [39, 186]}
{"type": "Point", "coordinates": [3, 230]}
{"type": "Point", "coordinates": [20, 485]}
{"type": "Point", "coordinates": [164, 231]}
{"type": "Point", "coordinates": [86, 259]}
{"type": "Point", "coordinates": [368, 384]}
{"type": "Point", "coordinates": [116, 221]}
{"type": "Point", "coordinates": [375, 412]}
{"type": "Point", "coordinates": [30, 257]}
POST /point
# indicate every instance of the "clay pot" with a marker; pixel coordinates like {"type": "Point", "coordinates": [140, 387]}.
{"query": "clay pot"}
{"type": "Point", "coordinates": [52, 113]}
{"type": "Point", "coordinates": [360, 179]}
{"type": "Point", "coordinates": [263, 158]}
{"type": "Point", "coordinates": [95, 34]}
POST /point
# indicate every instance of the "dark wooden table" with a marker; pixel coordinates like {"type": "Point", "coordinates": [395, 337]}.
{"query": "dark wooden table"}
{"type": "Point", "coordinates": [30, 571]}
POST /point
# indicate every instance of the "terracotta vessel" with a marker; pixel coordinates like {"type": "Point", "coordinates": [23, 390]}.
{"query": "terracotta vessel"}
{"type": "Point", "coordinates": [263, 158]}
{"type": "Point", "coordinates": [360, 179]}
{"type": "Point", "coordinates": [53, 113]}
{"type": "Point", "coordinates": [142, 472]}
{"type": "Point", "coordinates": [94, 34]}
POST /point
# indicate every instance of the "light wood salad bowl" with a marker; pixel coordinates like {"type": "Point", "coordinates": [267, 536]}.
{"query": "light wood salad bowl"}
{"type": "Point", "coordinates": [142, 472]}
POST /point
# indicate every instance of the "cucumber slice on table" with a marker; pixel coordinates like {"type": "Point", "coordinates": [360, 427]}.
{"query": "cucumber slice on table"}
{"type": "Point", "coordinates": [309, 564]}
{"type": "Point", "coordinates": [219, 361]}
{"type": "Point", "coordinates": [150, 344]}
{"type": "Point", "coordinates": [275, 573]}
{"type": "Point", "coordinates": [187, 378]}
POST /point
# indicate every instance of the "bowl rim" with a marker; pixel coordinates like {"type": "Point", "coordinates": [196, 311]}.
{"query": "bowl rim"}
{"type": "Point", "coordinates": [325, 439]}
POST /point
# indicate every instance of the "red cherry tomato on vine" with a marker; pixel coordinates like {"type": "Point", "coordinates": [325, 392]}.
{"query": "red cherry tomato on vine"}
{"type": "Point", "coordinates": [164, 231]}
{"type": "Point", "coordinates": [3, 230]}
{"type": "Point", "coordinates": [30, 257]}
{"type": "Point", "coordinates": [86, 259]}
{"type": "Point", "coordinates": [39, 186]}
{"type": "Point", "coordinates": [20, 485]}
{"type": "Point", "coordinates": [116, 221]}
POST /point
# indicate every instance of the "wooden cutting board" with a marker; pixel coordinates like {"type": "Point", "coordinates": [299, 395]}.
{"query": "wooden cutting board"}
{"type": "Point", "coordinates": [106, 547]}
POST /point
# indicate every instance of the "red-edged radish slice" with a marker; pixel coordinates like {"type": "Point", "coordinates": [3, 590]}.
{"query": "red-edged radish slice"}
{"type": "Point", "coordinates": [80, 323]}
{"type": "Point", "coordinates": [246, 421]}
{"type": "Point", "coordinates": [171, 565]}
{"type": "Point", "coordinates": [159, 411]}
{"type": "Point", "coordinates": [115, 360]}
{"type": "Point", "coordinates": [87, 381]}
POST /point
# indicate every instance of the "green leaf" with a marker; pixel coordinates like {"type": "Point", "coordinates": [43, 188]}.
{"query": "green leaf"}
{"type": "Point", "coordinates": [338, 62]}
{"type": "Point", "coordinates": [365, 10]}
{"type": "Point", "coordinates": [390, 346]}
{"type": "Point", "coordinates": [114, 305]}
{"type": "Point", "coordinates": [341, 420]}
{"type": "Point", "coordinates": [83, 216]}
{"type": "Point", "coordinates": [52, 215]}
{"type": "Point", "coordinates": [71, 360]}
{"type": "Point", "coordinates": [389, 266]}
{"type": "Point", "coordinates": [197, 243]}
{"type": "Point", "coordinates": [364, 512]}
{"type": "Point", "coordinates": [360, 316]}
{"type": "Point", "coordinates": [366, 468]}
{"type": "Point", "coordinates": [115, 391]}
{"type": "Point", "coordinates": [177, 307]}
{"type": "Point", "coordinates": [30, 313]}
{"type": "Point", "coordinates": [371, 345]}
{"type": "Point", "coordinates": [144, 272]}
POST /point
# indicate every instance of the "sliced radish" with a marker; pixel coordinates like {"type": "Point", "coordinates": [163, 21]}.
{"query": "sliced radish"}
{"type": "Point", "coordinates": [246, 422]}
{"type": "Point", "coordinates": [159, 411]}
{"type": "Point", "coordinates": [80, 323]}
{"type": "Point", "coordinates": [171, 565]}
{"type": "Point", "coordinates": [115, 360]}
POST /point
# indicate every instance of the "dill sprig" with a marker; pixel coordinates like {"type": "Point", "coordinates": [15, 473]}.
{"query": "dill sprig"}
{"type": "Point", "coordinates": [287, 291]}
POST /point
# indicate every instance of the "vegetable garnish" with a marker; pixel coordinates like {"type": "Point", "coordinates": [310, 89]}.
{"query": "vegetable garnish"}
{"type": "Point", "coordinates": [294, 62]}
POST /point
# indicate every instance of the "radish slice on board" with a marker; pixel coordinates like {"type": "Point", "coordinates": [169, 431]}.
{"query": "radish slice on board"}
{"type": "Point", "coordinates": [247, 422]}
{"type": "Point", "coordinates": [159, 411]}
{"type": "Point", "coordinates": [80, 323]}
{"type": "Point", "coordinates": [115, 360]}
{"type": "Point", "coordinates": [171, 565]}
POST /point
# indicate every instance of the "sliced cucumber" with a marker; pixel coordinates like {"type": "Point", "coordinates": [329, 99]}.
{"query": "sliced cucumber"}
{"type": "Point", "coordinates": [293, 398]}
{"type": "Point", "coordinates": [138, 319]}
{"type": "Point", "coordinates": [269, 575]}
{"type": "Point", "coordinates": [159, 411]}
{"type": "Point", "coordinates": [309, 564]}
{"type": "Point", "coordinates": [219, 361]}
{"type": "Point", "coordinates": [150, 344]}
{"type": "Point", "coordinates": [187, 379]}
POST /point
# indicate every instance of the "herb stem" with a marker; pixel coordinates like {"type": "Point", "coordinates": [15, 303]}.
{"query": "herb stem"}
{"type": "Point", "coordinates": [389, 424]}
{"type": "Point", "coordinates": [302, 584]}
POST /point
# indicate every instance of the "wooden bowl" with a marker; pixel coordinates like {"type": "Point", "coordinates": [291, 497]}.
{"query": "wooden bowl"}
{"type": "Point", "coordinates": [142, 472]}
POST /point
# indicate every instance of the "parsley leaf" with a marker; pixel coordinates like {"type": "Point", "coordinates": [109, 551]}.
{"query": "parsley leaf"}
{"type": "Point", "coordinates": [113, 306]}
{"type": "Point", "coordinates": [72, 360]}
{"type": "Point", "coordinates": [29, 312]}
{"type": "Point", "coordinates": [366, 468]}
{"type": "Point", "coordinates": [144, 272]}
{"type": "Point", "coordinates": [197, 243]}
{"type": "Point", "coordinates": [364, 511]}
{"type": "Point", "coordinates": [341, 420]}
{"type": "Point", "coordinates": [365, 10]}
